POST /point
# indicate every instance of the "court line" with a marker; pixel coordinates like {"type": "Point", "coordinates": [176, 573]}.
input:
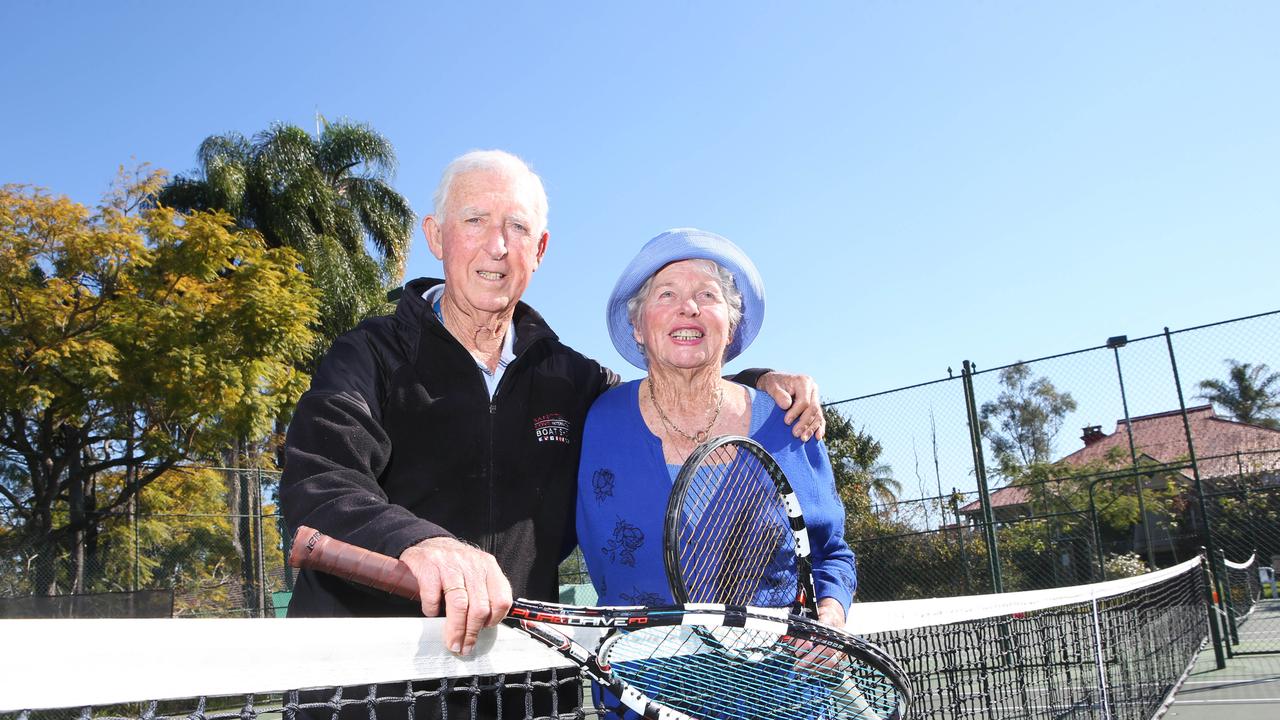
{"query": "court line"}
{"type": "Point", "coordinates": [1232, 683]}
{"type": "Point", "coordinates": [1249, 701]}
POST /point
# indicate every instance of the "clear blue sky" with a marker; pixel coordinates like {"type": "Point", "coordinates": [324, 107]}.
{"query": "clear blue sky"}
{"type": "Point", "coordinates": [920, 183]}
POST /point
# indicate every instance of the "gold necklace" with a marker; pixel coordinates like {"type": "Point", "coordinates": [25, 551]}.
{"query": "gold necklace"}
{"type": "Point", "coordinates": [699, 437]}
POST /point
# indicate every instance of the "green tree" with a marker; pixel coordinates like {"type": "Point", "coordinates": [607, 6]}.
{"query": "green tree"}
{"type": "Point", "coordinates": [131, 341]}
{"type": "Point", "coordinates": [898, 562]}
{"type": "Point", "coordinates": [855, 462]}
{"type": "Point", "coordinates": [1059, 499]}
{"type": "Point", "coordinates": [1246, 520]}
{"type": "Point", "coordinates": [1024, 419]}
{"type": "Point", "coordinates": [327, 197]}
{"type": "Point", "coordinates": [1250, 394]}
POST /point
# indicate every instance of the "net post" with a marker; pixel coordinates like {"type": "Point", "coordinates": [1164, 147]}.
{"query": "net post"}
{"type": "Point", "coordinates": [1275, 590]}
{"type": "Point", "coordinates": [1224, 599]}
{"type": "Point", "coordinates": [1256, 574]}
{"type": "Point", "coordinates": [1210, 610]}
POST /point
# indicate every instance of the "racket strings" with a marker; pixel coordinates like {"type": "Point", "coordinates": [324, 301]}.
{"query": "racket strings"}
{"type": "Point", "coordinates": [741, 560]}
{"type": "Point", "coordinates": [745, 673]}
{"type": "Point", "coordinates": [735, 536]}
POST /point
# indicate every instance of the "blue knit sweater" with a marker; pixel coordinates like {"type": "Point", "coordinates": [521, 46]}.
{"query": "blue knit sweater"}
{"type": "Point", "coordinates": [624, 483]}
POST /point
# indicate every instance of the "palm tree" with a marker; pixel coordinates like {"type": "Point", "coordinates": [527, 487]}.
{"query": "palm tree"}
{"type": "Point", "coordinates": [855, 461]}
{"type": "Point", "coordinates": [1250, 394]}
{"type": "Point", "coordinates": [877, 476]}
{"type": "Point", "coordinates": [327, 197]}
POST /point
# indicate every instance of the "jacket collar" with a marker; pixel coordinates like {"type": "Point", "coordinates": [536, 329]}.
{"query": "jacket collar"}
{"type": "Point", "coordinates": [415, 312]}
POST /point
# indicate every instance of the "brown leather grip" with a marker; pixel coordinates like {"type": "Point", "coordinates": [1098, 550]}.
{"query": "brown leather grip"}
{"type": "Point", "coordinates": [313, 550]}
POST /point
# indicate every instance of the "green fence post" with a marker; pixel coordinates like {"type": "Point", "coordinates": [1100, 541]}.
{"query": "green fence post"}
{"type": "Point", "coordinates": [1195, 474]}
{"type": "Point", "coordinates": [1207, 589]}
{"type": "Point", "coordinates": [980, 469]}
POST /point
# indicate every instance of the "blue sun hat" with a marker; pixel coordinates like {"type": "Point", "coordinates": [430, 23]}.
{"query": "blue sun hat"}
{"type": "Point", "coordinates": [673, 246]}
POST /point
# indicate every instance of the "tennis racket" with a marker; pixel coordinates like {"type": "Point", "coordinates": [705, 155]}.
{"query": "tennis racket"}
{"type": "Point", "coordinates": [670, 663]}
{"type": "Point", "coordinates": [734, 532]}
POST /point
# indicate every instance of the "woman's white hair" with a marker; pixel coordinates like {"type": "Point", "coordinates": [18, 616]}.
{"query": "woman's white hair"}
{"type": "Point", "coordinates": [732, 298]}
{"type": "Point", "coordinates": [495, 160]}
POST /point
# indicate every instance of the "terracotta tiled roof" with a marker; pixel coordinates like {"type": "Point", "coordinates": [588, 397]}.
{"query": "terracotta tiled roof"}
{"type": "Point", "coordinates": [1004, 497]}
{"type": "Point", "coordinates": [1162, 438]}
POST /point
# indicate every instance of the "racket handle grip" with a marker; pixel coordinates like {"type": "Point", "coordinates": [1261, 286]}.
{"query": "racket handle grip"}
{"type": "Point", "coordinates": [313, 550]}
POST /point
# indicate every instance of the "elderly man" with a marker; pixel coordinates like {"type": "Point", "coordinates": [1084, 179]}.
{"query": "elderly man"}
{"type": "Point", "coordinates": [448, 433]}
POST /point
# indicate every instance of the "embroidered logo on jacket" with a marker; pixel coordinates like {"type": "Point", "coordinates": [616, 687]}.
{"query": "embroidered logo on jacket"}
{"type": "Point", "coordinates": [551, 427]}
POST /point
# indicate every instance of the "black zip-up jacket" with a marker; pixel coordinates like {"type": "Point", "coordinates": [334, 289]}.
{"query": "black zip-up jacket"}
{"type": "Point", "coordinates": [498, 473]}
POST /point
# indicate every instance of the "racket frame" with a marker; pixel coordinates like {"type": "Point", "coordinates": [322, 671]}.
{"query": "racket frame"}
{"type": "Point", "coordinates": [806, 601]}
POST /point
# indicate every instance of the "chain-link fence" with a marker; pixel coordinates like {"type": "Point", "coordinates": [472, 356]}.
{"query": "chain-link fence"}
{"type": "Point", "coordinates": [1051, 546]}
{"type": "Point", "coordinates": [1075, 467]}
{"type": "Point", "coordinates": [197, 542]}
{"type": "Point", "coordinates": [1049, 472]}
{"type": "Point", "coordinates": [1245, 518]}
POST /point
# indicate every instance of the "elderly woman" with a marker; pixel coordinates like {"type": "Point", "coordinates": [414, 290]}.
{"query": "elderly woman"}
{"type": "Point", "coordinates": [689, 302]}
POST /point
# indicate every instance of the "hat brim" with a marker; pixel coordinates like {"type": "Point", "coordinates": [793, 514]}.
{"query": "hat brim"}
{"type": "Point", "coordinates": [674, 246]}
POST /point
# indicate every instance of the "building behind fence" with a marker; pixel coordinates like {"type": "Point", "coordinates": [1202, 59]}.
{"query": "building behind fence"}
{"type": "Point", "coordinates": [965, 523]}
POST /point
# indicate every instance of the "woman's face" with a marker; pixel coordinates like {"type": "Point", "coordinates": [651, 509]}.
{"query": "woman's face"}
{"type": "Point", "coordinates": [684, 322]}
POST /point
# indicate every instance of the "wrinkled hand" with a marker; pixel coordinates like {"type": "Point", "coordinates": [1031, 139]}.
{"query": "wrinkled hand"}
{"type": "Point", "coordinates": [798, 395]}
{"type": "Point", "coordinates": [461, 582]}
{"type": "Point", "coordinates": [814, 657]}
{"type": "Point", "coordinates": [831, 612]}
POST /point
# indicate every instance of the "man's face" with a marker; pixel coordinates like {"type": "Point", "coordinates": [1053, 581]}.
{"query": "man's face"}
{"type": "Point", "coordinates": [490, 240]}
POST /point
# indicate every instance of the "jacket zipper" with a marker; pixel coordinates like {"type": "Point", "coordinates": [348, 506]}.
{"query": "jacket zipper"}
{"type": "Point", "coordinates": [490, 540]}
{"type": "Point", "coordinates": [491, 528]}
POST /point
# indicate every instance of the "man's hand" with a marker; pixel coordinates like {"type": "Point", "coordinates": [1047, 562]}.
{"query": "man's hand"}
{"type": "Point", "coordinates": [831, 612]}
{"type": "Point", "coordinates": [461, 582]}
{"type": "Point", "coordinates": [798, 395]}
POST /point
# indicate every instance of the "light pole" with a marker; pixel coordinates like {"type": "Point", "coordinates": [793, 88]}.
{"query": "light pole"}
{"type": "Point", "coordinates": [1115, 343]}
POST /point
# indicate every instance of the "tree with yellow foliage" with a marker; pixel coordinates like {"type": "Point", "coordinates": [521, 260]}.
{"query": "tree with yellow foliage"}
{"type": "Point", "coordinates": [132, 339]}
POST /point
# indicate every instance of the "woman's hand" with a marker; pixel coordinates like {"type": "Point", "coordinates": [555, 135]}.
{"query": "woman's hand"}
{"type": "Point", "coordinates": [831, 612]}
{"type": "Point", "coordinates": [812, 656]}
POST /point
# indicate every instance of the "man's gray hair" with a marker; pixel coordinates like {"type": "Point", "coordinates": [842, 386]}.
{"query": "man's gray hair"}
{"type": "Point", "coordinates": [732, 298]}
{"type": "Point", "coordinates": [495, 160]}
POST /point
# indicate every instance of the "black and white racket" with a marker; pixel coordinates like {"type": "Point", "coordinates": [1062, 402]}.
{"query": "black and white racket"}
{"type": "Point", "coordinates": [734, 531]}
{"type": "Point", "coordinates": [671, 663]}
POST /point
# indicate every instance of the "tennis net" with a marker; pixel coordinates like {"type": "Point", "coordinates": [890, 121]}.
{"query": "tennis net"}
{"type": "Point", "coordinates": [243, 669]}
{"type": "Point", "coordinates": [1114, 650]}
